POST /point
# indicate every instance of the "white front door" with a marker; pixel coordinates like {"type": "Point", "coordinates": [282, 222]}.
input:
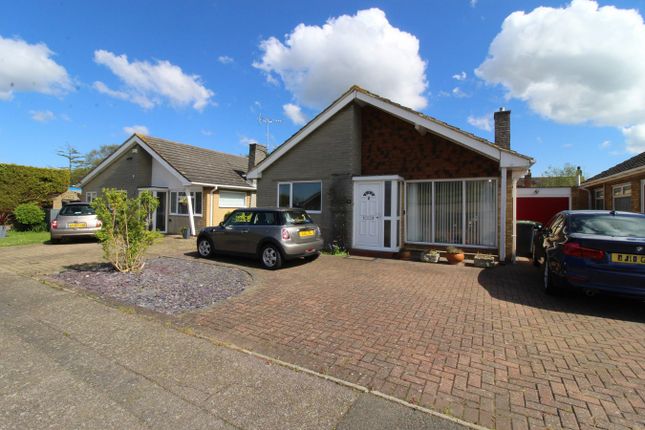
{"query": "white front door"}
{"type": "Point", "coordinates": [368, 219]}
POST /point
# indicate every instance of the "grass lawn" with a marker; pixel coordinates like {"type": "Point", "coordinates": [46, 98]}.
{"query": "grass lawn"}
{"type": "Point", "coordinates": [24, 238]}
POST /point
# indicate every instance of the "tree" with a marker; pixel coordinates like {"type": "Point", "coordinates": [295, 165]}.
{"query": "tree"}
{"type": "Point", "coordinates": [124, 233]}
{"type": "Point", "coordinates": [73, 157]}
{"type": "Point", "coordinates": [564, 176]}
{"type": "Point", "coordinates": [95, 156]}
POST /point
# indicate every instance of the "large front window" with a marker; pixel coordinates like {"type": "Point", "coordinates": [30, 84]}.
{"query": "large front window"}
{"type": "Point", "coordinates": [179, 202]}
{"type": "Point", "coordinates": [452, 212]}
{"type": "Point", "coordinates": [301, 195]}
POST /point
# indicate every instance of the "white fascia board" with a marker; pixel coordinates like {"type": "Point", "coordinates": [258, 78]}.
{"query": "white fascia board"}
{"type": "Point", "coordinates": [544, 192]}
{"type": "Point", "coordinates": [226, 187]}
{"type": "Point", "coordinates": [303, 133]}
{"type": "Point", "coordinates": [134, 140]}
{"type": "Point", "coordinates": [630, 172]}
{"type": "Point", "coordinates": [377, 178]}
{"type": "Point", "coordinates": [513, 161]}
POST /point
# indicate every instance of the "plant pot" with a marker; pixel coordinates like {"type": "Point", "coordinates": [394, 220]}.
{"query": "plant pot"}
{"type": "Point", "coordinates": [430, 258]}
{"type": "Point", "coordinates": [484, 262]}
{"type": "Point", "coordinates": [455, 258]}
{"type": "Point", "coordinates": [3, 231]}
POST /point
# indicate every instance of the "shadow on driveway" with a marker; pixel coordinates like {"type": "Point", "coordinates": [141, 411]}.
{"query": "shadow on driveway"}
{"type": "Point", "coordinates": [522, 284]}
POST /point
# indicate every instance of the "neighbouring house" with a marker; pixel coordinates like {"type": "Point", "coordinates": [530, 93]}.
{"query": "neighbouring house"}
{"type": "Point", "coordinates": [195, 186]}
{"type": "Point", "coordinates": [71, 195]}
{"type": "Point", "coordinates": [621, 187]}
{"type": "Point", "coordinates": [379, 177]}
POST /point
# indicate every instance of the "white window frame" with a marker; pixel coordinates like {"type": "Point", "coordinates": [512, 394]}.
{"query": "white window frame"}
{"type": "Point", "coordinates": [290, 183]}
{"type": "Point", "coordinates": [182, 193]}
{"type": "Point", "coordinates": [463, 221]}
{"type": "Point", "coordinates": [622, 193]}
{"type": "Point", "coordinates": [599, 194]}
{"type": "Point", "coordinates": [90, 196]}
{"type": "Point", "coordinates": [245, 205]}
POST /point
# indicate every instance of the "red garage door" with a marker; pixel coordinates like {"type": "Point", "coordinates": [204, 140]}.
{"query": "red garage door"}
{"type": "Point", "coordinates": [540, 208]}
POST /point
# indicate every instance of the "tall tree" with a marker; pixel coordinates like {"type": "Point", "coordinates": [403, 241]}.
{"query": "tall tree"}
{"type": "Point", "coordinates": [73, 157]}
{"type": "Point", "coordinates": [95, 156]}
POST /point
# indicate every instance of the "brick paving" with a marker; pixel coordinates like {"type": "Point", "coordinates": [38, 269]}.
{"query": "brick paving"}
{"type": "Point", "coordinates": [485, 346]}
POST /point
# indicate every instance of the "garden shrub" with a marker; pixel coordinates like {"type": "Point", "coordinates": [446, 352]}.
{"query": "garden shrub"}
{"type": "Point", "coordinates": [29, 216]}
{"type": "Point", "coordinates": [26, 184]}
{"type": "Point", "coordinates": [124, 234]}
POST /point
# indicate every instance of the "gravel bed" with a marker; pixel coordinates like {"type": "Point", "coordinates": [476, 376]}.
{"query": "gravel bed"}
{"type": "Point", "coordinates": [165, 285]}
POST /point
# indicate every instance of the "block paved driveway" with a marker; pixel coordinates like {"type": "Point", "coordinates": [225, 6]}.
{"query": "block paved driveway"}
{"type": "Point", "coordinates": [486, 346]}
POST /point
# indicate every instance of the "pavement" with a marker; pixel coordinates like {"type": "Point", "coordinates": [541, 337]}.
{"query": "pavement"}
{"type": "Point", "coordinates": [69, 361]}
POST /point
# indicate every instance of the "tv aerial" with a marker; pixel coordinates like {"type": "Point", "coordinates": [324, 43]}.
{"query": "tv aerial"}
{"type": "Point", "coordinates": [267, 122]}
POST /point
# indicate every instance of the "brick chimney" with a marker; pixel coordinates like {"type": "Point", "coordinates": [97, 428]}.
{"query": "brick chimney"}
{"type": "Point", "coordinates": [503, 128]}
{"type": "Point", "coordinates": [257, 153]}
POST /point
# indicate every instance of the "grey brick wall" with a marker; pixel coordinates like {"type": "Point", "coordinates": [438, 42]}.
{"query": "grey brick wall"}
{"type": "Point", "coordinates": [129, 172]}
{"type": "Point", "coordinates": [332, 154]}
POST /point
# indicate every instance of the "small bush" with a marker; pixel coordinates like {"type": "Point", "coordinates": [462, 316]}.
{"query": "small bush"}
{"type": "Point", "coordinates": [124, 234]}
{"type": "Point", "coordinates": [29, 216]}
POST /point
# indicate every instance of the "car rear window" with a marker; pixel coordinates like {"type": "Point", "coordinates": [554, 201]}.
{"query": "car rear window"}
{"type": "Point", "coordinates": [296, 218]}
{"type": "Point", "coordinates": [77, 210]}
{"type": "Point", "coordinates": [608, 225]}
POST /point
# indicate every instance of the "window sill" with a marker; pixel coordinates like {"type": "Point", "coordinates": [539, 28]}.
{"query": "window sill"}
{"type": "Point", "coordinates": [194, 215]}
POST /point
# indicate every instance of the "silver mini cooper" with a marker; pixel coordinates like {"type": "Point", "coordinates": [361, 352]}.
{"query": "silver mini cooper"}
{"type": "Point", "coordinates": [273, 235]}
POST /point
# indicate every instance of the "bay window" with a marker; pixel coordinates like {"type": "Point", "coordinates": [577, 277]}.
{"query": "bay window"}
{"type": "Point", "coordinates": [462, 212]}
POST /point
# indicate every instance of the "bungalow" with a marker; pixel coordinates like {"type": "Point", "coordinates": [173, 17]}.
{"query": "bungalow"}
{"type": "Point", "coordinates": [379, 177]}
{"type": "Point", "coordinates": [621, 187]}
{"type": "Point", "coordinates": [195, 186]}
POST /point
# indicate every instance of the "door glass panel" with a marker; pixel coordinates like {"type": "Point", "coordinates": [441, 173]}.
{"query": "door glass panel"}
{"type": "Point", "coordinates": [448, 212]}
{"type": "Point", "coordinates": [387, 228]}
{"type": "Point", "coordinates": [419, 212]}
{"type": "Point", "coordinates": [387, 205]}
{"type": "Point", "coordinates": [481, 212]}
{"type": "Point", "coordinates": [160, 212]}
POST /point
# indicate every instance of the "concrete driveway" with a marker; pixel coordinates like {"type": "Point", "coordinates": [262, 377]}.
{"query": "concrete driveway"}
{"type": "Point", "coordinates": [486, 346]}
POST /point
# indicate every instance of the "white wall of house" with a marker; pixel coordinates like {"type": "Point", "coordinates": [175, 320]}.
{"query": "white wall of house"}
{"type": "Point", "coordinates": [163, 178]}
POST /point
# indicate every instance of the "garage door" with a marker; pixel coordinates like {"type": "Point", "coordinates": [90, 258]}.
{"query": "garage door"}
{"type": "Point", "coordinates": [540, 204]}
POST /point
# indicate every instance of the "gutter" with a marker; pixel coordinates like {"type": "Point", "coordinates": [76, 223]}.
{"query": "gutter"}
{"type": "Point", "coordinates": [227, 187]}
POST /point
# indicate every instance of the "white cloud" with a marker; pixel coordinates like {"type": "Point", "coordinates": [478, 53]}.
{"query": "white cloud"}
{"type": "Point", "coordinates": [141, 129]}
{"type": "Point", "coordinates": [459, 93]}
{"type": "Point", "coordinates": [42, 115]}
{"type": "Point", "coordinates": [577, 64]}
{"type": "Point", "coordinates": [461, 76]}
{"type": "Point", "coordinates": [207, 132]}
{"type": "Point", "coordinates": [30, 68]}
{"type": "Point", "coordinates": [635, 138]}
{"type": "Point", "coordinates": [473, 3]}
{"type": "Point", "coordinates": [148, 84]}
{"type": "Point", "coordinates": [482, 122]}
{"type": "Point", "coordinates": [245, 140]}
{"type": "Point", "coordinates": [567, 145]}
{"type": "Point", "coordinates": [294, 113]}
{"type": "Point", "coordinates": [318, 63]}
{"type": "Point", "coordinates": [605, 144]}
{"type": "Point", "coordinates": [225, 59]}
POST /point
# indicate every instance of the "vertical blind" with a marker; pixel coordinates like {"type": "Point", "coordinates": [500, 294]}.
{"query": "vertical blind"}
{"type": "Point", "coordinates": [452, 212]}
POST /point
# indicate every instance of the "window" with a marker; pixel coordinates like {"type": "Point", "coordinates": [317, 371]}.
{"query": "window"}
{"type": "Point", "coordinates": [239, 218]}
{"type": "Point", "coordinates": [599, 198]}
{"type": "Point", "coordinates": [301, 195]}
{"type": "Point", "coordinates": [452, 212]}
{"type": "Point", "coordinates": [622, 195]}
{"type": "Point", "coordinates": [77, 209]}
{"type": "Point", "coordinates": [232, 199]}
{"type": "Point", "coordinates": [90, 196]}
{"type": "Point", "coordinates": [266, 218]}
{"type": "Point", "coordinates": [179, 202]}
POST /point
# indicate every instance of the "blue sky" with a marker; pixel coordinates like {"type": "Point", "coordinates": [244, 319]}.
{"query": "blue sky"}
{"type": "Point", "coordinates": [201, 72]}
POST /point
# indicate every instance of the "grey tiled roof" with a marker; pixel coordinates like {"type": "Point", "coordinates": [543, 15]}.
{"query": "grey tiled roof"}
{"type": "Point", "coordinates": [200, 164]}
{"type": "Point", "coordinates": [632, 163]}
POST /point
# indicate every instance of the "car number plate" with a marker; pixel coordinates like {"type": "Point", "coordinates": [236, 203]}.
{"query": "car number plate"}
{"type": "Point", "coordinates": [77, 225]}
{"type": "Point", "coordinates": [628, 258]}
{"type": "Point", "coordinates": [306, 233]}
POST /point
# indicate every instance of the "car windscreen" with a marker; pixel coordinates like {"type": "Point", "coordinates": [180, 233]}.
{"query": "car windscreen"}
{"type": "Point", "coordinates": [296, 218]}
{"type": "Point", "coordinates": [608, 225]}
{"type": "Point", "coordinates": [71, 210]}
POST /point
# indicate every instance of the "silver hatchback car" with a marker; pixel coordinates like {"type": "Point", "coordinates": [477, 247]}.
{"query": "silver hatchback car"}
{"type": "Point", "coordinates": [273, 235]}
{"type": "Point", "coordinates": [74, 220]}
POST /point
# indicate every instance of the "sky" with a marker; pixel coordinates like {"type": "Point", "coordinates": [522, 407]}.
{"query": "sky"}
{"type": "Point", "coordinates": [88, 74]}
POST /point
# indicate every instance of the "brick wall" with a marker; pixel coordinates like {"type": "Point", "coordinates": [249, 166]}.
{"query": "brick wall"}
{"type": "Point", "coordinates": [634, 180]}
{"type": "Point", "coordinates": [391, 146]}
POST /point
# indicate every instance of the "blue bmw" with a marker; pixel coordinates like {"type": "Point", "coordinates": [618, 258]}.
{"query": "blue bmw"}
{"type": "Point", "coordinates": [596, 251]}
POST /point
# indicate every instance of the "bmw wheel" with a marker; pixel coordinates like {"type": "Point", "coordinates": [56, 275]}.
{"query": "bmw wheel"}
{"type": "Point", "coordinates": [549, 287]}
{"type": "Point", "coordinates": [270, 257]}
{"type": "Point", "coordinates": [205, 247]}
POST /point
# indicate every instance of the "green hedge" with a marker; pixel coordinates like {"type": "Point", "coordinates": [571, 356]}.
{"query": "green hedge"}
{"type": "Point", "coordinates": [25, 184]}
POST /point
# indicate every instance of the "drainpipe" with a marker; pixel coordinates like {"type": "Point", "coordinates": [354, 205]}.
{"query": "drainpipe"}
{"type": "Point", "coordinates": [212, 193]}
{"type": "Point", "coordinates": [502, 218]}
